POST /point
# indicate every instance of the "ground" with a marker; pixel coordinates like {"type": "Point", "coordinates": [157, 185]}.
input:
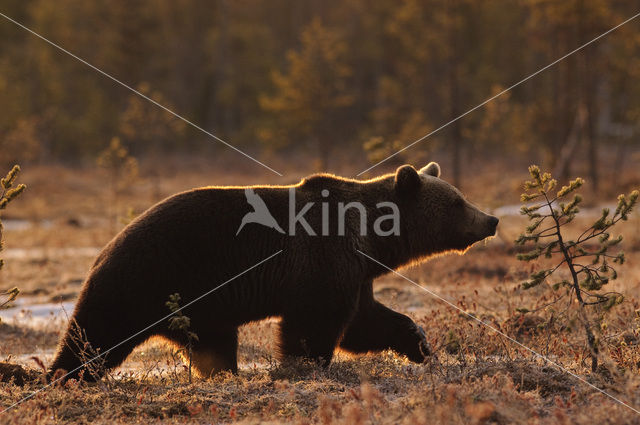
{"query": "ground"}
{"type": "Point", "coordinates": [478, 376]}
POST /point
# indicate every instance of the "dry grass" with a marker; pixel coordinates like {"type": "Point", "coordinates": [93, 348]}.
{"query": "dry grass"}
{"type": "Point", "coordinates": [478, 377]}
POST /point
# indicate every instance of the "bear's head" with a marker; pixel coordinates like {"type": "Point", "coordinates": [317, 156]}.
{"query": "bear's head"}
{"type": "Point", "coordinates": [435, 216]}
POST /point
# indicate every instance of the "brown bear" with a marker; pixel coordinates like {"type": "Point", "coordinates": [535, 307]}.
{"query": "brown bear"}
{"type": "Point", "coordinates": [318, 281]}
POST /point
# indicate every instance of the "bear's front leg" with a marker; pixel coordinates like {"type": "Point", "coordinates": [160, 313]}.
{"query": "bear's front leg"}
{"type": "Point", "coordinates": [376, 328]}
{"type": "Point", "coordinates": [216, 351]}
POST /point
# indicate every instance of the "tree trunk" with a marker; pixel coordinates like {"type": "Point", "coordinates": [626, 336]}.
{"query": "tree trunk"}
{"type": "Point", "coordinates": [456, 148]}
{"type": "Point", "coordinates": [454, 99]}
{"type": "Point", "coordinates": [588, 82]}
{"type": "Point", "coordinates": [563, 164]}
{"type": "Point", "coordinates": [590, 122]}
{"type": "Point", "coordinates": [591, 339]}
{"type": "Point", "coordinates": [323, 153]}
{"type": "Point", "coordinates": [593, 152]}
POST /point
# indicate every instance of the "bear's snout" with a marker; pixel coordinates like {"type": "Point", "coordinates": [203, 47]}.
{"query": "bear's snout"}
{"type": "Point", "coordinates": [493, 224]}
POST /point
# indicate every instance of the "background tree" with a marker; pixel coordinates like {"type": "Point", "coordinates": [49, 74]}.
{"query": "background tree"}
{"type": "Point", "coordinates": [377, 76]}
{"type": "Point", "coordinates": [310, 100]}
{"type": "Point", "coordinates": [144, 124]}
{"type": "Point", "coordinates": [122, 170]}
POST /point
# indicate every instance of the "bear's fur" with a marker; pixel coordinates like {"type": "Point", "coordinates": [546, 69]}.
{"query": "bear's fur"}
{"type": "Point", "coordinates": [320, 286]}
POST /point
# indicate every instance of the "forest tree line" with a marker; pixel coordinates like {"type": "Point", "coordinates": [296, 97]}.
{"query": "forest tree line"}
{"type": "Point", "coordinates": [320, 76]}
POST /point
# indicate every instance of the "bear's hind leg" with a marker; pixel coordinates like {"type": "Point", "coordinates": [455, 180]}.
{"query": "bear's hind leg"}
{"type": "Point", "coordinates": [216, 352]}
{"type": "Point", "coordinates": [314, 339]}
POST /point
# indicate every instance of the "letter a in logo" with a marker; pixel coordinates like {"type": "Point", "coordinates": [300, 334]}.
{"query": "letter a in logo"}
{"type": "Point", "coordinates": [260, 213]}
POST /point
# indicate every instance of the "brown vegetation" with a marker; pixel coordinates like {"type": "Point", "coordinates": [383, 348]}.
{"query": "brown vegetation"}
{"type": "Point", "coordinates": [478, 377]}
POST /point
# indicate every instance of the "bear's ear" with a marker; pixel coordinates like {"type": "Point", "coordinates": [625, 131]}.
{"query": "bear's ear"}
{"type": "Point", "coordinates": [431, 169]}
{"type": "Point", "coordinates": [407, 179]}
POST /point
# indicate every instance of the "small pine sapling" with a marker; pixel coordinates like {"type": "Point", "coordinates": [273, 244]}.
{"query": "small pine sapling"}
{"type": "Point", "coordinates": [587, 258]}
{"type": "Point", "coordinates": [180, 323]}
{"type": "Point", "coordinates": [7, 194]}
